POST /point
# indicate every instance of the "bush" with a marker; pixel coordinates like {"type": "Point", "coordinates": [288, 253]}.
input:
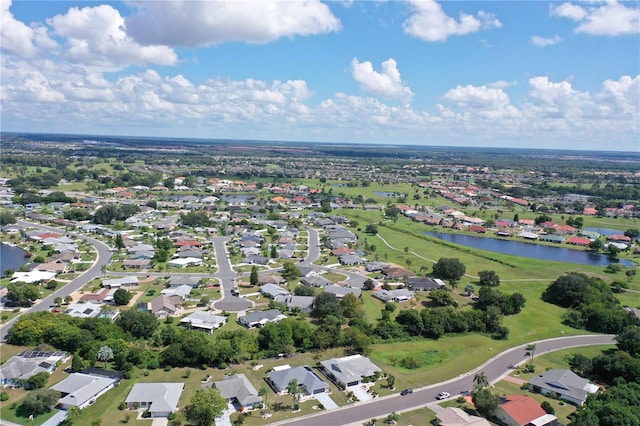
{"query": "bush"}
{"type": "Point", "coordinates": [4, 396]}
{"type": "Point", "coordinates": [546, 406]}
{"type": "Point", "coordinates": [167, 368]}
{"type": "Point", "coordinates": [122, 406]}
{"type": "Point", "coordinates": [146, 414]}
{"type": "Point", "coordinates": [222, 365]}
{"type": "Point", "coordinates": [171, 416]}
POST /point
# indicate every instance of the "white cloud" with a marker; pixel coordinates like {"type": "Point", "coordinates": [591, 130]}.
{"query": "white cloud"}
{"type": "Point", "coordinates": [611, 18]}
{"type": "Point", "coordinates": [620, 98]}
{"type": "Point", "coordinates": [17, 38]}
{"type": "Point", "coordinates": [430, 23]}
{"type": "Point", "coordinates": [545, 41]}
{"type": "Point", "coordinates": [205, 23]}
{"type": "Point", "coordinates": [386, 83]}
{"type": "Point", "coordinates": [96, 36]}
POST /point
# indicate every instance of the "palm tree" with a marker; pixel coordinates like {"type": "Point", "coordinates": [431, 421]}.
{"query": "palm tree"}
{"type": "Point", "coordinates": [73, 413]}
{"type": "Point", "coordinates": [480, 380]}
{"type": "Point", "coordinates": [105, 354]}
{"type": "Point", "coordinates": [294, 390]}
{"type": "Point", "coordinates": [263, 392]}
{"type": "Point", "coordinates": [529, 352]}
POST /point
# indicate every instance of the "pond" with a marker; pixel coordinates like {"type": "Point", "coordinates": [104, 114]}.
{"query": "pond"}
{"type": "Point", "coordinates": [605, 231]}
{"type": "Point", "coordinates": [533, 251]}
{"type": "Point", "coordinates": [11, 258]}
{"type": "Point", "coordinates": [389, 194]}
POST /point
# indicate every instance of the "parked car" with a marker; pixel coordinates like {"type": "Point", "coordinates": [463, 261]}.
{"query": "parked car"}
{"type": "Point", "coordinates": [407, 391]}
{"type": "Point", "coordinates": [443, 395]}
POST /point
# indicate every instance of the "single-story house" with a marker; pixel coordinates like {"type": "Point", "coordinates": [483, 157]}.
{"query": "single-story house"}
{"type": "Point", "coordinates": [164, 306]}
{"type": "Point", "coordinates": [204, 321]}
{"type": "Point", "coordinates": [28, 363]}
{"type": "Point", "coordinates": [183, 262]}
{"type": "Point", "coordinates": [56, 266]}
{"type": "Point", "coordinates": [161, 399]}
{"type": "Point", "coordinates": [237, 389]}
{"type": "Point", "coordinates": [177, 281]}
{"type": "Point", "coordinates": [399, 295]}
{"type": "Point", "coordinates": [566, 383]}
{"type": "Point", "coordinates": [130, 281]}
{"type": "Point", "coordinates": [182, 291]}
{"type": "Point", "coordinates": [84, 310]}
{"type": "Point", "coordinates": [425, 283]}
{"type": "Point", "coordinates": [256, 260]}
{"type": "Point", "coordinates": [396, 272]}
{"type": "Point", "coordinates": [261, 318]}
{"type": "Point", "coordinates": [316, 281]}
{"type": "Point", "coordinates": [341, 291]}
{"type": "Point", "coordinates": [351, 259]}
{"type": "Point", "coordinates": [349, 370]}
{"type": "Point", "coordinates": [521, 410]}
{"type": "Point", "coordinates": [454, 416]}
{"type": "Point", "coordinates": [82, 389]}
{"type": "Point", "coordinates": [273, 290]}
{"type": "Point", "coordinates": [137, 264]}
{"type": "Point", "coordinates": [304, 303]}
{"type": "Point", "coordinates": [309, 382]}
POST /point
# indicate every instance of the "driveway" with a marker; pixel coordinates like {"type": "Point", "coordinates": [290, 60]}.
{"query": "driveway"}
{"type": "Point", "coordinates": [326, 401]}
{"type": "Point", "coordinates": [225, 418]}
{"type": "Point", "coordinates": [361, 393]}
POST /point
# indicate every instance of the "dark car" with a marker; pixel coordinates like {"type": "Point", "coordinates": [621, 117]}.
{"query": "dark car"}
{"type": "Point", "coordinates": [407, 391]}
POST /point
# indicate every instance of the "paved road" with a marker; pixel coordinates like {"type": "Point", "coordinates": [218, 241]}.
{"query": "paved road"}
{"type": "Point", "coordinates": [227, 277]}
{"type": "Point", "coordinates": [496, 368]}
{"type": "Point", "coordinates": [104, 257]}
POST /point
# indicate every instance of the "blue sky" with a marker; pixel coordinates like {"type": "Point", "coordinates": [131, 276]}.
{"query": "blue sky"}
{"type": "Point", "coordinates": [500, 73]}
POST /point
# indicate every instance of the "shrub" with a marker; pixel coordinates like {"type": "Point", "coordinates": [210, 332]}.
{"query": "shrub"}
{"type": "Point", "coordinates": [167, 368]}
{"type": "Point", "coordinates": [146, 414]}
{"type": "Point", "coordinates": [122, 406]}
{"type": "Point", "coordinates": [4, 396]}
{"type": "Point", "coordinates": [171, 416]}
{"type": "Point", "coordinates": [546, 406]}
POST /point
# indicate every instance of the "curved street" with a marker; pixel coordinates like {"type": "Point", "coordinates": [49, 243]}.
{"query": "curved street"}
{"type": "Point", "coordinates": [103, 258]}
{"type": "Point", "coordinates": [494, 369]}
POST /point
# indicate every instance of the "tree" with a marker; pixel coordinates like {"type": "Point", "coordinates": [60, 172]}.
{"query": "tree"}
{"type": "Point", "coordinates": [263, 392]}
{"type": "Point", "coordinates": [290, 271]}
{"type": "Point", "coordinates": [326, 304]}
{"type": "Point", "coordinates": [442, 297]}
{"type": "Point", "coordinates": [371, 228]}
{"type": "Point", "coordinates": [205, 406]}
{"type": "Point", "coordinates": [105, 354]}
{"type": "Point", "coordinates": [304, 290]}
{"type": "Point", "coordinates": [368, 284]}
{"type": "Point", "coordinates": [38, 380]}
{"type": "Point", "coordinates": [22, 294]}
{"type": "Point", "coordinates": [38, 402]}
{"type": "Point", "coordinates": [122, 297]}
{"type": "Point", "coordinates": [58, 301]}
{"type": "Point", "coordinates": [449, 269]}
{"type": "Point", "coordinates": [350, 305]}
{"type": "Point", "coordinates": [480, 381]}
{"type": "Point", "coordinates": [613, 251]}
{"type": "Point", "coordinates": [77, 364]}
{"type": "Point", "coordinates": [254, 279]}
{"type": "Point", "coordinates": [119, 242]}
{"type": "Point", "coordinates": [632, 233]}
{"type": "Point", "coordinates": [294, 390]}
{"type": "Point", "coordinates": [530, 350]}
{"type": "Point", "coordinates": [596, 245]}
{"type": "Point", "coordinates": [489, 278]}
{"type": "Point", "coordinates": [469, 289]}
{"type": "Point", "coordinates": [7, 218]}
{"type": "Point", "coordinates": [629, 340]}
{"type": "Point", "coordinates": [139, 324]}
{"type": "Point", "coordinates": [485, 401]}
{"type": "Point", "coordinates": [391, 381]}
{"type": "Point", "coordinates": [68, 299]}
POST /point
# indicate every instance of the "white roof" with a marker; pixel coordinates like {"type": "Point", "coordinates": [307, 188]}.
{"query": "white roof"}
{"type": "Point", "coordinates": [162, 396]}
{"type": "Point", "coordinates": [32, 276]}
{"type": "Point", "coordinates": [81, 388]}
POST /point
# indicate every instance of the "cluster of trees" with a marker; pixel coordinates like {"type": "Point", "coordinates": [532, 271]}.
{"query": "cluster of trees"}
{"type": "Point", "coordinates": [111, 213]}
{"type": "Point", "coordinates": [449, 269]}
{"type": "Point", "coordinates": [163, 249]}
{"type": "Point", "coordinates": [508, 304]}
{"type": "Point", "coordinates": [591, 303]}
{"type": "Point", "coordinates": [22, 295]}
{"type": "Point", "coordinates": [195, 219]}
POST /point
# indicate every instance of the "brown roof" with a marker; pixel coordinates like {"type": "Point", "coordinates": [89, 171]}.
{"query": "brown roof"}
{"type": "Point", "coordinates": [523, 409]}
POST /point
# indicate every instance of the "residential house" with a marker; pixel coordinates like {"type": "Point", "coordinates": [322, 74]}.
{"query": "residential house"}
{"type": "Point", "coordinates": [567, 384]}
{"type": "Point", "coordinates": [82, 389]}
{"type": "Point", "coordinates": [86, 309]}
{"type": "Point", "coordinates": [396, 272]}
{"type": "Point", "coordinates": [399, 295]}
{"type": "Point", "coordinates": [454, 416]}
{"type": "Point", "coordinates": [166, 306]}
{"type": "Point", "coordinates": [304, 303]}
{"type": "Point", "coordinates": [351, 259]}
{"type": "Point", "coordinates": [315, 281]}
{"type": "Point", "coordinates": [273, 290]}
{"type": "Point", "coordinates": [130, 281]}
{"type": "Point", "coordinates": [239, 391]}
{"type": "Point", "coordinates": [27, 363]}
{"type": "Point", "coordinates": [256, 260]}
{"type": "Point", "coordinates": [203, 320]}
{"type": "Point", "coordinates": [270, 279]}
{"type": "Point", "coordinates": [160, 399]}
{"type": "Point", "coordinates": [309, 383]}
{"type": "Point", "coordinates": [182, 291]}
{"type": "Point", "coordinates": [191, 281]}
{"type": "Point", "coordinates": [341, 291]}
{"type": "Point", "coordinates": [183, 262]}
{"type": "Point", "coordinates": [521, 410]}
{"type": "Point", "coordinates": [259, 319]}
{"type": "Point", "coordinates": [349, 370]}
{"type": "Point", "coordinates": [425, 283]}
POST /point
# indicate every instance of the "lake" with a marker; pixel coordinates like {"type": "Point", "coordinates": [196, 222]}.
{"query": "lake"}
{"type": "Point", "coordinates": [11, 258]}
{"type": "Point", "coordinates": [533, 251]}
{"type": "Point", "coordinates": [388, 194]}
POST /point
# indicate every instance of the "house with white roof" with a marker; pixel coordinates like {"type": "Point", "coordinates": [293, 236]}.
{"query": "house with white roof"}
{"type": "Point", "coordinates": [308, 382]}
{"type": "Point", "coordinates": [567, 384]}
{"type": "Point", "coordinates": [261, 318]}
{"type": "Point", "coordinates": [161, 399]}
{"type": "Point", "coordinates": [27, 363]}
{"type": "Point", "coordinates": [203, 320]}
{"type": "Point", "coordinates": [81, 389]}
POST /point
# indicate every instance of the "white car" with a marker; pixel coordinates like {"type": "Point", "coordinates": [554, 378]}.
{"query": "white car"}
{"type": "Point", "coordinates": [443, 395]}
